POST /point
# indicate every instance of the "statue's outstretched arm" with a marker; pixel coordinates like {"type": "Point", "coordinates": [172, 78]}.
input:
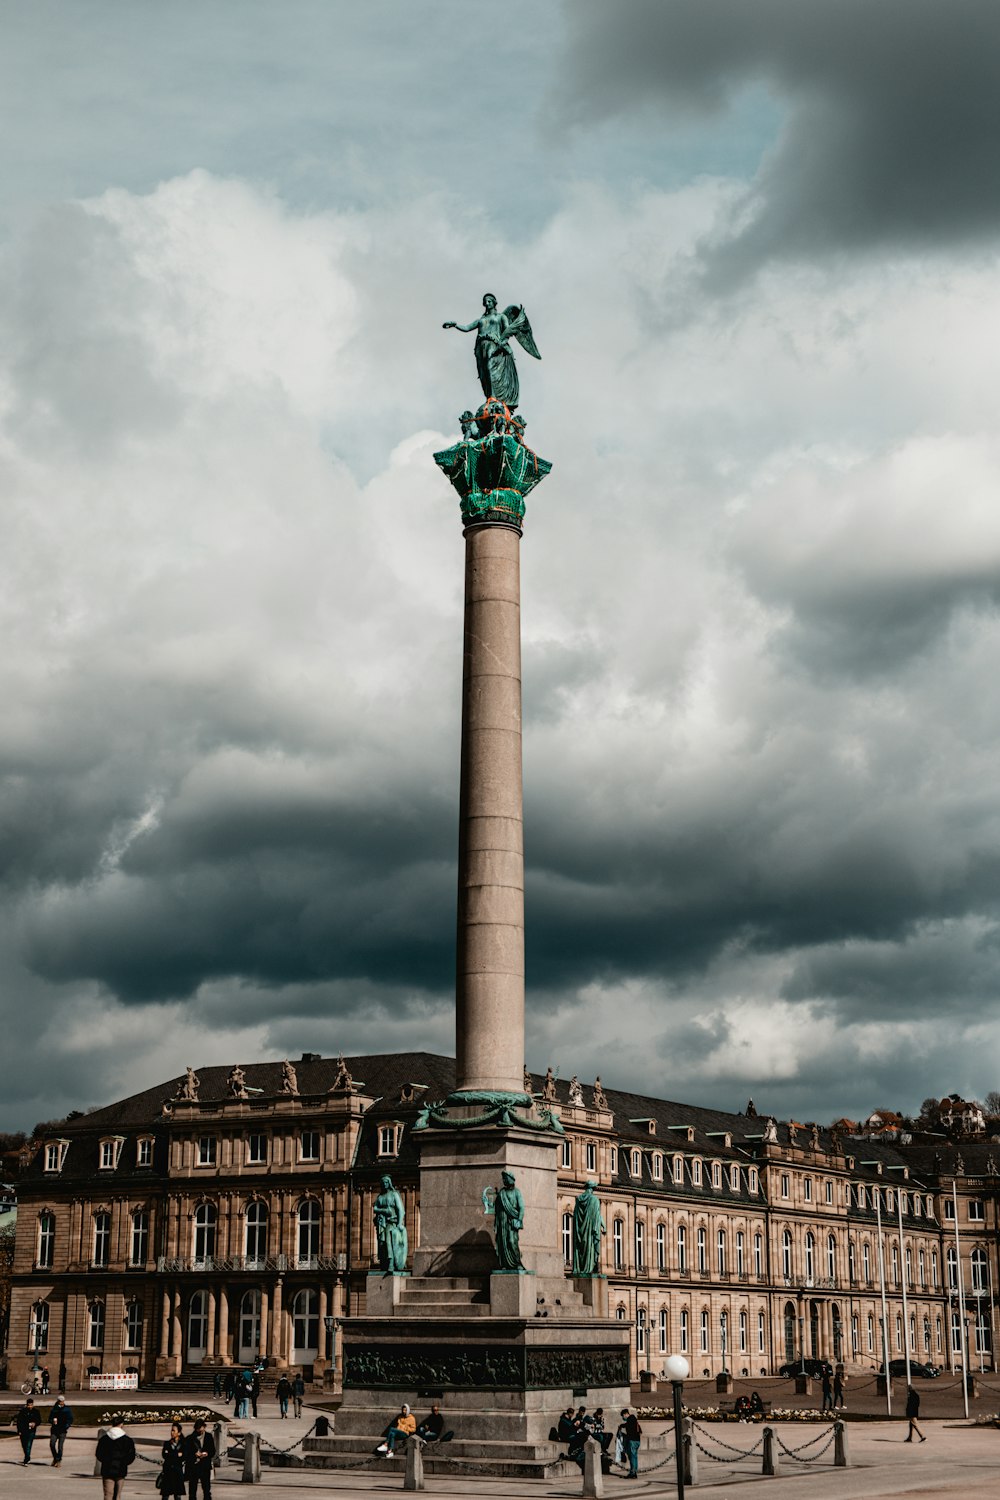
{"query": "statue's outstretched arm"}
{"type": "Point", "coordinates": [462, 327]}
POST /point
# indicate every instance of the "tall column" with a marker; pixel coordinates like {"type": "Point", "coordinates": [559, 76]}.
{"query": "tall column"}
{"type": "Point", "coordinates": [264, 1340]}
{"type": "Point", "coordinates": [176, 1346]}
{"type": "Point", "coordinates": [276, 1348]}
{"type": "Point", "coordinates": [490, 967]}
{"type": "Point", "coordinates": [223, 1351]}
{"type": "Point", "coordinates": [165, 1324]}
{"type": "Point", "coordinates": [210, 1332]}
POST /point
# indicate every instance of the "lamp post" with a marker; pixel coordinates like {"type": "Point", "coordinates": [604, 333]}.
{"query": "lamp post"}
{"type": "Point", "coordinates": [677, 1371]}
{"type": "Point", "coordinates": [329, 1324]}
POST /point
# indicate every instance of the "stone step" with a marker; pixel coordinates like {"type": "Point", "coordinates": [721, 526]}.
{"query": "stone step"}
{"type": "Point", "coordinates": [508, 1466]}
{"type": "Point", "coordinates": [462, 1295]}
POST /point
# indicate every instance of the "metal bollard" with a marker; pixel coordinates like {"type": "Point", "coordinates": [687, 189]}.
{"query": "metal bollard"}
{"type": "Point", "coordinates": [217, 1435]}
{"type": "Point", "coordinates": [413, 1479]}
{"type": "Point", "coordinates": [593, 1476]}
{"type": "Point", "coordinates": [690, 1453]}
{"type": "Point", "coordinates": [251, 1459]}
{"type": "Point", "coordinates": [101, 1432]}
{"type": "Point", "coordinates": [770, 1464]}
{"type": "Point", "coordinates": [841, 1458]}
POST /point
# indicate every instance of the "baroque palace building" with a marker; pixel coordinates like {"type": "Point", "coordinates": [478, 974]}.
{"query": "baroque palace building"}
{"type": "Point", "coordinates": [228, 1216]}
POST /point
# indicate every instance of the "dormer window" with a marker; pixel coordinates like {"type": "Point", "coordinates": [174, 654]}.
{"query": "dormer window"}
{"type": "Point", "coordinates": [753, 1182]}
{"type": "Point", "coordinates": [144, 1151]}
{"type": "Point", "coordinates": [108, 1153]}
{"type": "Point", "coordinates": [696, 1172]}
{"type": "Point", "coordinates": [55, 1155]}
{"type": "Point", "coordinates": [716, 1174]}
{"type": "Point", "coordinates": [734, 1179]}
{"type": "Point", "coordinates": [678, 1169]}
{"type": "Point", "coordinates": [657, 1166]}
{"type": "Point", "coordinates": [388, 1140]}
{"type": "Point", "coordinates": [636, 1163]}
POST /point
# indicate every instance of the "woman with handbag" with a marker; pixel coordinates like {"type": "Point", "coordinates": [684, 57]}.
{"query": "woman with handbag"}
{"type": "Point", "coordinates": [170, 1480]}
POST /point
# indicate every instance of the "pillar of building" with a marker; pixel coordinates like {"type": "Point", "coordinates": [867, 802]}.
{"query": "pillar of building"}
{"type": "Point", "coordinates": [176, 1346]}
{"type": "Point", "coordinates": [264, 1340]}
{"type": "Point", "coordinates": [223, 1350]}
{"type": "Point", "coordinates": [276, 1348]}
{"type": "Point", "coordinates": [210, 1350]}
{"type": "Point", "coordinates": [490, 957]}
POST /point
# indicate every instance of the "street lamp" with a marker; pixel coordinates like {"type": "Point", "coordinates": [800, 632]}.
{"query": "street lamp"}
{"type": "Point", "coordinates": [677, 1370]}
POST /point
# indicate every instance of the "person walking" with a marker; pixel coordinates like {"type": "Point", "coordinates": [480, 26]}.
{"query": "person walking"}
{"type": "Point", "coordinates": [60, 1422]}
{"type": "Point", "coordinates": [633, 1438]}
{"type": "Point", "coordinates": [171, 1482]}
{"type": "Point", "coordinates": [115, 1454]}
{"type": "Point", "coordinates": [827, 1390]}
{"type": "Point", "coordinates": [838, 1388]}
{"type": "Point", "coordinates": [27, 1423]}
{"type": "Point", "coordinates": [217, 1383]}
{"type": "Point", "coordinates": [912, 1413]}
{"type": "Point", "coordinates": [298, 1393]}
{"type": "Point", "coordinates": [45, 1380]}
{"type": "Point", "coordinates": [283, 1391]}
{"type": "Point", "coordinates": [254, 1389]}
{"type": "Point", "coordinates": [199, 1450]}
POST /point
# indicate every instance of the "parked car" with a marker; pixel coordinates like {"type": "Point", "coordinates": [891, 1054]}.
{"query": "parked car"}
{"type": "Point", "coordinates": [897, 1368]}
{"type": "Point", "coordinates": [814, 1367]}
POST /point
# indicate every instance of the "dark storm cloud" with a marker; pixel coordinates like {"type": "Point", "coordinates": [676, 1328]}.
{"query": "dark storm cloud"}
{"type": "Point", "coordinates": [892, 130]}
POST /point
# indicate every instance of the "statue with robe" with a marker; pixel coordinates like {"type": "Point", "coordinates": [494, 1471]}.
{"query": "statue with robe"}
{"type": "Point", "coordinates": [237, 1083]}
{"type": "Point", "coordinates": [600, 1097]}
{"type": "Point", "coordinates": [506, 1205]}
{"type": "Point", "coordinates": [494, 358]}
{"type": "Point", "coordinates": [588, 1226]}
{"type": "Point", "coordinates": [575, 1091]}
{"type": "Point", "coordinates": [289, 1079]}
{"type": "Point", "coordinates": [390, 1229]}
{"type": "Point", "coordinates": [549, 1087]}
{"type": "Point", "coordinates": [771, 1131]}
{"type": "Point", "coordinates": [189, 1086]}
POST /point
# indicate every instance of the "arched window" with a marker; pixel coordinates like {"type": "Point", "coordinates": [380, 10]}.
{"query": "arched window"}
{"type": "Point", "coordinates": [721, 1251]}
{"type": "Point", "coordinates": [46, 1240]}
{"type": "Point", "coordinates": [866, 1260]}
{"type": "Point", "coordinates": [133, 1325]}
{"type": "Point", "coordinates": [305, 1326]}
{"type": "Point", "coordinates": [980, 1275]}
{"type": "Point", "coordinates": [810, 1255]}
{"type": "Point", "coordinates": [786, 1254]}
{"type": "Point", "coordinates": [308, 1253]}
{"type": "Point", "coordinates": [664, 1330]}
{"type": "Point", "coordinates": [909, 1266]}
{"type": "Point", "coordinates": [661, 1247]}
{"type": "Point", "coordinates": [761, 1332]}
{"type": "Point", "coordinates": [934, 1268]}
{"type": "Point", "coordinates": [831, 1256]}
{"type": "Point", "coordinates": [922, 1267]}
{"type": "Point", "coordinates": [138, 1248]}
{"type": "Point", "coordinates": [789, 1332]}
{"type": "Point", "coordinates": [741, 1266]}
{"type": "Point", "coordinates": [685, 1330]}
{"type": "Point", "coordinates": [102, 1241]}
{"type": "Point", "coordinates": [567, 1238]}
{"type": "Point", "coordinates": [702, 1250]}
{"type": "Point", "coordinates": [640, 1244]}
{"type": "Point", "coordinates": [38, 1331]}
{"type": "Point", "coordinates": [927, 1333]}
{"type": "Point", "coordinates": [852, 1261]}
{"type": "Point", "coordinates": [681, 1249]}
{"type": "Point", "coordinates": [871, 1333]}
{"type": "Point", "coordinates": [704, 1332]}
{"type": "Point", "coordinates": [621, 1313]}
{"type": "Point", "coordinates": [640, 1331]}
{"type": "Point", "coordinates": [618, 1243]}
{"type": "Point", "coordinates": [758, 1256]}
{"type": "Point", "coordinates": [249, 1326]}
{"type": "Point", "coordinates": [255, 1235]}
{"type": "Point", "coordinates": [197, 1326]}
{"type": "Point", "coordinates": [855, 1335]}
{"type": "Point", "coordinates": [895, 1262]}
{"type": "Point", "coordinates": [205, 1219]}
{"type": "Point", "coordinates": [743, 1330]}
{"type": "Point", "coordinates": [952, 1259]}
{"type": "Point", "coordinates": [899, 1332]}
{"type": "Point", "coordinates": [95, 1325]}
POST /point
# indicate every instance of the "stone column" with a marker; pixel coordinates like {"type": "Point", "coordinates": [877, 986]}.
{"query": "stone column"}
{"type": "Point", "coordinates": [176, 1346]}
{"type": "Point", "coordinates": [490, 967]}
{"type": "Point", "coordinates": [276, 1347]}
{"type": "Point", "coordinates": [210, 1332]}
{"type": "Point", "coordinates": [165, 1324]}
{"type": "Point", "coordinates": [224, 1325]}
{"type": "Point", "coordinates": [264, 1342]}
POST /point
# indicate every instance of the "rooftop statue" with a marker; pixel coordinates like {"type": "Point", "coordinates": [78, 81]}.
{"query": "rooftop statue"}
{"type": "Point", "coordinates": [237, 1083]}
{"type": "Point", "coordinates": [289, 1079]}
{"type": "Point", "coordinates": [494, 359]}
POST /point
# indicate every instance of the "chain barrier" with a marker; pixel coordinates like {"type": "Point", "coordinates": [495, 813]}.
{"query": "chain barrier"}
{"type": "Point", "coordinates": [266, 1443]}
{"type": "Point", "coordinates": [795, 1453]}
{"type": "Point", "coordinates": [740, 1452]}
{"type": "Point", "coordinates": [652, 1468]}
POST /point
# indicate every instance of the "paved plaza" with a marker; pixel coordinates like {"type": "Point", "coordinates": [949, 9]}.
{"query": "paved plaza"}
{"type": "Point", "coordinates": [957, 1460]}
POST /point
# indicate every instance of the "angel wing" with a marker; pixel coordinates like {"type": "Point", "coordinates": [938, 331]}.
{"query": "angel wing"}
{"type": "Point", "coordinates": [520, 329]}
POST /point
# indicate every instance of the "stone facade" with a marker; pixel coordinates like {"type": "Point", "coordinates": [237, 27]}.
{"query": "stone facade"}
{"type": "Point", "coordinates": [160, 1238]}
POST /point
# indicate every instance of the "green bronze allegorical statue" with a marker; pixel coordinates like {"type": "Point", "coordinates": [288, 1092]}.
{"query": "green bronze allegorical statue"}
{"type": "Point", "coordinates": [494, 356]}
{"type": "Point", "coordinates": [588, 1226]}
{"type": "Point", "coordinates": [506, 1205]}
{"type": "Point", "coordinates": [390, 1229]}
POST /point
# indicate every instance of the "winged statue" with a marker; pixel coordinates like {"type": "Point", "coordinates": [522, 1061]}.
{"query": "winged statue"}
{"type": "Point", "coordinates": [494, 356]}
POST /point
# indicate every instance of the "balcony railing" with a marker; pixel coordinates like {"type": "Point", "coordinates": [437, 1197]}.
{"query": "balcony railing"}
{"type": "Point", "coordinates": [179, 1264]}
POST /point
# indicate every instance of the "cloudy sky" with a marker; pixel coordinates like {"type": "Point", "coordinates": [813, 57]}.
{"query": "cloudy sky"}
{"type": "Point", "coordinates": [758, 244]}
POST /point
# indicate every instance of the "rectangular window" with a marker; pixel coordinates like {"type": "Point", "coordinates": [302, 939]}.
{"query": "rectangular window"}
{"type": "Point", "coordinates": [681, 1249]}
{"type": "Point", "coordinates": [256, 1149]}
{"type": "Point", "coordinates": [871, 1333]}
{"type": "Point", "coordinates": [743, 1331]}
{"type": "Point", "coordinates": [567, 1238]}
{"type": "Point", "coordinates": [567, 1153]}
{"type": "Point", "coordinates": [977, 1209]}
{"type": "Point", "coordinates": [758, 1256]}
{"type": "Point", "coordinates": [784, 1184]}
{"type": "Point", "coordinates": [207, 1150]}
{"type": "Point", "coordinates": [95, 1326]}
{"type": "Point", "coordinates": [828, 1190]}
{"type": "Point", "coordinates": [949, 1209]}
{"type": "Point", "coordinates": [740, 1254]}
{"type": "Point", "coordinates": [144, 1152]}
{"type": "Point", "coordinates": [640, 1332]}
{"type": "Point", "coordinates": [55, 1153]}
{"type": "Point", "coordinates": [139, 1238]}
{"type": "Point", "coordinates": [46, 1241]}
{"type": "Point", "coordinates": [661, 1247]}
{"type": "Point", "coordinates": [678, 1169]}
{"type": "Point", "coordinates": [309, 1144]}
{"type": "Point", "coordinates": [702, 1251]}
{"type": "Point", "coordinates": [102, 1239]}
{"type": "Point", "coordinates": [934, 1268]}
{"type": "Point", "coordinates": [109, 1155]}
{"type": "Point", "coordinates": [618, 1243]}
{"type": "Point", "coordinates": [808, 1188]}
{"type": "Point", "coordinates": [591, 1157]}
{"type": "Point", "coordinates": [614, 1160]}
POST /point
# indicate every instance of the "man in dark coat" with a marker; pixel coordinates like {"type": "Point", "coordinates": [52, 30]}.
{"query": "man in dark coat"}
{"type": "Point", "coordinates": [27, 1423]}
{"type": "Point", "coordinates": [298, 1393]}
{"type": "Point", "coordinates": [115, 1453]}
{"type": "Point", "coordinates": [912, 1413]}
{"type": "Point", "coordinates": [199, 1451]}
